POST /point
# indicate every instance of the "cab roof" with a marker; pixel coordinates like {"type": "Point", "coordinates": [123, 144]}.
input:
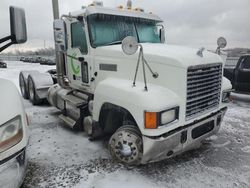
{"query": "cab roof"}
{"type": "Point", "coordinates": [91, 10]}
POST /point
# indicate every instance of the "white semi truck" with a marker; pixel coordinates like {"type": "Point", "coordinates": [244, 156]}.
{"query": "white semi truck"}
{"type": "Point", "coordinates": [13, 119]}
{"type": "Point", "coordinates": [116, 76]}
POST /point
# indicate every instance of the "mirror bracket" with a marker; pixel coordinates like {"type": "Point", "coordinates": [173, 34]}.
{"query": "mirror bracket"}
{"type": "Point", "coordinates": [162, 34]}
{"type": "Point", "coordinates": [2, 40]}
{"type": "Point", "coordinates": [11, 37]}
{"type": "Point", "coordinates": [129, 47]}
{"type": "Point", "coordinates": [6, 46]}
{"type": "Point", "coordinates": [80, 18]}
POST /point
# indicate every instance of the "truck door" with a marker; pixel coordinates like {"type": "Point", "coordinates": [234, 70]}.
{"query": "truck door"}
{"type": "Point", "coordinates": [243, 74]}
{"type": "Point", "coordinates": [78, 59]}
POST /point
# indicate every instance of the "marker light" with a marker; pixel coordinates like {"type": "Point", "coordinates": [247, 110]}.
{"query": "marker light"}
{"type": "Point", "coordinates": [120, 7]}
{"type": "Point", "coordinates": [150, 120]}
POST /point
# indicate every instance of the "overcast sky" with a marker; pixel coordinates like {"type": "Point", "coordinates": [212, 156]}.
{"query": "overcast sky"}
{"type": "Point", "coordinates": [194, 23]}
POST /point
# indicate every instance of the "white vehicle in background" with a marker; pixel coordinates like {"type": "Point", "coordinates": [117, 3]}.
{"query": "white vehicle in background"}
{"type": "Point", "coordinates": [13, 120]}
{"type": "Point", "coordinates": [116, 76]}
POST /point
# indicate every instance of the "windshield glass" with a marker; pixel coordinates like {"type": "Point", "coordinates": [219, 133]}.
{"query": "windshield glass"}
{"type": "Point", "coordinates": [108, 29]}
{"type": "Point", "coordinates": [147, 32]}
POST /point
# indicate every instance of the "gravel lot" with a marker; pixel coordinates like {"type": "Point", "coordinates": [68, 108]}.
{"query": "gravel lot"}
{"type": "Point", "coordinates": [59, 157]}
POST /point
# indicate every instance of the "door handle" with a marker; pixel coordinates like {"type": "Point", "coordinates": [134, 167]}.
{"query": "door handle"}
{"type": "Point", "coordinates": [81, 59]}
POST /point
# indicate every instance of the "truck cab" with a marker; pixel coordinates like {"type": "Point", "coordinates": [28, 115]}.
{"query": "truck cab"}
{"type": "Point", "coordinates": [103, 30]}
{"type": "Point", "coordinates": [117, 76]}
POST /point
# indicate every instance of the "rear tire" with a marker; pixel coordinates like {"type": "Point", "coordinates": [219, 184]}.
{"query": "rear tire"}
{"type": "Point", "coordinates": [34, 99]}
{"type": "Point", "coordinates": [23, 86]}
{"type": "Point", "coordinates": [126, 145]}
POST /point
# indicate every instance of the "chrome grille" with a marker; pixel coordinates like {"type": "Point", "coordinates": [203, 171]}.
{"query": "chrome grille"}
{"type": "Point", "coordinates": [203, 89]}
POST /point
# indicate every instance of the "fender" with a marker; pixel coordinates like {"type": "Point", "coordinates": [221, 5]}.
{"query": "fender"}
{"type": "Point", "coordinates": [136, 100]}
{"type": "Point", "coordinates": [42, 82]}
{"type": "Point", "coordinates": [27, 73]}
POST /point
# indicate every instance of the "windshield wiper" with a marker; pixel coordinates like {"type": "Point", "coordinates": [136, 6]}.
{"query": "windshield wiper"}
{"type": "Point", "coordinates": [114, 42]}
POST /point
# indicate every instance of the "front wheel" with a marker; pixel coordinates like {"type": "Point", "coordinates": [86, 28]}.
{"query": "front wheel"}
{"type": "Point", "coordinates": [126, 145]}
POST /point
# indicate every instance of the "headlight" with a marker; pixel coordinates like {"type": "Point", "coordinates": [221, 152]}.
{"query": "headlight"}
{"type": "Point", "coordinates": [11, 133]}
{"type": "Point", "coordinates": [226, 96]}
{"type": "Point", "coordinates": [155, 119]}
{"type": "Point", "coordinates": [169, 116]}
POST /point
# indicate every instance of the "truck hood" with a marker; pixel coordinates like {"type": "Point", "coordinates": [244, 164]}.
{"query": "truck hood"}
{"type": "Point", "coordinates": [10, 101]}
{"type": "Point", "coordinates": [171, 55]}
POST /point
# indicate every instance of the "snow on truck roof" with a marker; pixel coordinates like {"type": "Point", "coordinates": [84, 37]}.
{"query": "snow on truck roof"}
{"type": "Point", "coordinates": [91, 10]}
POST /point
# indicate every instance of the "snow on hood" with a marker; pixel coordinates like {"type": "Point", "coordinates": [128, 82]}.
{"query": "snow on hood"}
{"type": "Point", "coordinates": [171, 55]}
{"type": "Point", "coordinates": [10, 101]}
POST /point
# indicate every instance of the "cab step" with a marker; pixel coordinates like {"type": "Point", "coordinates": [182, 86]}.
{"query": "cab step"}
{"type": "Point", "coordinates": [68, 120]}
{"type": "Point", "coordinates": [75, 109]}
{"type": "Point", "coordinates": [74, 100]}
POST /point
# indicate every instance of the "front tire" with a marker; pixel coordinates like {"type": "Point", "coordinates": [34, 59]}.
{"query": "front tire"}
{"type": "Point", "coordinates": [34, 99]}
{"type": "Point", "coordinates": [126, 145]}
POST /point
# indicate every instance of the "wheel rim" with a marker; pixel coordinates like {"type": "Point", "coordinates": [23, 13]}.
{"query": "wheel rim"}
{"type": "Point", "coordinates": [126, 146]}
{"type": "Point", "coordinates": [31, 90]}
{"type": "Point", "coordinates": [22, 87]}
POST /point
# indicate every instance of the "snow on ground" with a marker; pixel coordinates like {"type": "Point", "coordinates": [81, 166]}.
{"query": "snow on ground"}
{"type": "Point", "coordinates": [59, 157]}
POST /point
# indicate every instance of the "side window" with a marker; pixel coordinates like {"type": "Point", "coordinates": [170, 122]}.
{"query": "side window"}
{"type": "Point", "coordinates": [246, 63]}
{"type": "Point", "coordinates": [78, 37]}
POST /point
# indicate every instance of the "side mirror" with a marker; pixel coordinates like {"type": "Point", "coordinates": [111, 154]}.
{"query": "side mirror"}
{"type": "Point", "coordinates": [162, 35]}
{"type": "Point", "coordinates": [18, 25]}
{"type": "Point", "coordinates": [60, 35]}
{"type": "Point", "coordinates": [222, 43]}
{"type": "Point", "coordinates": [18, 29]}
{"type": "Point", "coordinates": [129, 45]}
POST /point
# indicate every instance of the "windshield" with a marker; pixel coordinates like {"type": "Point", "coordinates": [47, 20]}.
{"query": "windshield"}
{"type": "Point", "coordinates": [108, 29]}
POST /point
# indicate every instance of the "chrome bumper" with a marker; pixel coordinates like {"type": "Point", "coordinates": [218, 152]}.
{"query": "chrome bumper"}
{"type": "Point", "coordinates": [181, 139]}
{"type": "Point", "coordinates": [12, 170]}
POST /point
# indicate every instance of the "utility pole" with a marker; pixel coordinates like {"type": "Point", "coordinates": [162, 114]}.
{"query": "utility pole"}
{"type": "Point", "coordinates": [55, 6]}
